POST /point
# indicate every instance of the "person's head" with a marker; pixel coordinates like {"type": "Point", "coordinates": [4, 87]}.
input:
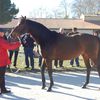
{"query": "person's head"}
{"type": "Point", "coordinates": [74, 29]}
{"type": "Point", "coordinates": [1, 33]}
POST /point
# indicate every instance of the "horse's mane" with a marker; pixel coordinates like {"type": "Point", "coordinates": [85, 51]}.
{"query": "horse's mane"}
{"type": "Point", "coordinates": [37, 25]}
{"type": "Point", "coordinates": [44, 31]}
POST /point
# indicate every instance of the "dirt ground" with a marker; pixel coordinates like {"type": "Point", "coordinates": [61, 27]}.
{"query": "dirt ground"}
{"type": "Point", "coordinates": [67, 86]}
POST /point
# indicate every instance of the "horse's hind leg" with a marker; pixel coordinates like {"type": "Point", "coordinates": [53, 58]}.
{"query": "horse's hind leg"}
{"type": "Point", "coordinates": [49, 66]}
{"type": "Point", "coordinates": [42, 73]}
{"type": "Point", "coordinates": [86, 60]}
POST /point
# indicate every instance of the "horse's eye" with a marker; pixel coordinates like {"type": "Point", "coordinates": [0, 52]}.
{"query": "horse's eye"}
{"type": "Point", "coordinates": [20, 25]}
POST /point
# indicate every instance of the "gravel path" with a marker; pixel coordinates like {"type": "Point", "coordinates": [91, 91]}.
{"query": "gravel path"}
{"type": "Point", "coordinates": [27, 86]}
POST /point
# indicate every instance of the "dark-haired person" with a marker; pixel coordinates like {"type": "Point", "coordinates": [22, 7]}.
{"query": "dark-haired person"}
{"type": "Point", "coordinates": [13, 52]}
{"type": "Point", "coordinates": [4, 59]}
{"type": "Point", "coordinates": [28, 44]}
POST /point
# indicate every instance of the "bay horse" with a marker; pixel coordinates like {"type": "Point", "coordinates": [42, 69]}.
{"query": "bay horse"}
{"type": "Point", "coordinates": [57, 46]}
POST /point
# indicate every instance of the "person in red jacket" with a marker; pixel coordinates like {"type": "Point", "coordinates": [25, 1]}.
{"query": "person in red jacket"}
{"type": "Point", "coordinates": [4, 59]}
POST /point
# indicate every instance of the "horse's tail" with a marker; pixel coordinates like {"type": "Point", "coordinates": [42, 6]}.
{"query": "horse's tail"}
{"type": "Point", "coordinates": [98, 59]}
{"type": "Point", "coordinates": [99, 48]}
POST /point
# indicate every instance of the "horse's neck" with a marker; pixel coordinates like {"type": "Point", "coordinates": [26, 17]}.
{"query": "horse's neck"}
{"type": "Point", "coordinates": [41, 34]}
{"type": "Point", "coordinates": [40, 37]}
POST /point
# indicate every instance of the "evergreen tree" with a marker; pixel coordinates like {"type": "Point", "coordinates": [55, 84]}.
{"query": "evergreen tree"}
{"type": "Point", "coordinates": [7, 11]}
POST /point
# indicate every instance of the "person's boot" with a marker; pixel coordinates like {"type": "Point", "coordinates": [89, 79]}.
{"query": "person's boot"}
{"type": "Point", "coordinates": [32, 68]}
{"type": "Point", "coordinates": [2, 86]}
{"type": "Point", "coordinates": [15, 66]}
{"type": "Point", "coordinates": [5, 91]}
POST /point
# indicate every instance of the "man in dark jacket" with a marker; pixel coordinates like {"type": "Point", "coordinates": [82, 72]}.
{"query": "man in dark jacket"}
{"type": "Point", "coordinates": [28, 44]}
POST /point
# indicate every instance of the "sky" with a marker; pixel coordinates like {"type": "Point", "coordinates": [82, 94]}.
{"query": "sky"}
{"type": "Point", "coordinates": [26, 7]}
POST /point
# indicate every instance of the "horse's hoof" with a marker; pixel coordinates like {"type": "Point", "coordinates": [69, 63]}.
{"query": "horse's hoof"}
{"type": "Point", "coordinates": [43, 87]}
{"type": "Point", "coordinates": [49, 90]}
{"type": "Point", "coordinates": [84, 87]}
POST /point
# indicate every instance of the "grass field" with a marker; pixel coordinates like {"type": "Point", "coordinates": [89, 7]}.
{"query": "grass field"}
{"type": "Point", "coordinates": [66, 63]}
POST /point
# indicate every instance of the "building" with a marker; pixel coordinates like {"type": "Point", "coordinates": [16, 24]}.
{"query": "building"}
{"type": "Point", "coordinates": [86, 24]}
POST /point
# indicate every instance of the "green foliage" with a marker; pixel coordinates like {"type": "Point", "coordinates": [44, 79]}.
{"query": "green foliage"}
{"type": "Point", "coordinates": [7, 11]}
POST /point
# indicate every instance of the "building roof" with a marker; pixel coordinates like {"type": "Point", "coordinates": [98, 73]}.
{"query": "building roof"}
{"type": "Point", "coordinates": [58, 23]}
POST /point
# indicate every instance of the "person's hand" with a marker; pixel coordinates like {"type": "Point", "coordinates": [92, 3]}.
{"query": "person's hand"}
{"type": "Point", "coordinates": [19, 39]}
{"type": "Point", "coordinates": [16, 39]}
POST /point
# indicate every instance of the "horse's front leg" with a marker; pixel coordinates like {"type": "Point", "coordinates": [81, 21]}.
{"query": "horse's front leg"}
{"type": "Point", "coordinates": [49, 66]}
{"type": "Point", "coordinates": [42, 74]}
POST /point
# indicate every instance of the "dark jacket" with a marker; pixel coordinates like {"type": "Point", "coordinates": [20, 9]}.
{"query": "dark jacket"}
{"type": "Point", "coordinates": [27, 41]}
{"type": "Point", "coordinates": [72, 33]}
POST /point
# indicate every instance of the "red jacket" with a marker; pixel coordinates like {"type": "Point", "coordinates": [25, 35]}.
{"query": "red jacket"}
{"type": "Point", "coordinates": [4, 47]}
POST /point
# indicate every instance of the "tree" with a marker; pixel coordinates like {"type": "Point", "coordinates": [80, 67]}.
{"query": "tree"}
{"type": "Point", "coordinates": [7, 11]}
{"type": "Point", "coordinates": [64, 6]}
{"type": "Point", "coordinates": [85, 7]}
{"type": "Point", "coordinates": [58, 12]}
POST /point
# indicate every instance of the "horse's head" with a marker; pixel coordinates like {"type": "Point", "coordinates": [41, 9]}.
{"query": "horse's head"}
{"type": "Point", "coordinates": [21, 28]}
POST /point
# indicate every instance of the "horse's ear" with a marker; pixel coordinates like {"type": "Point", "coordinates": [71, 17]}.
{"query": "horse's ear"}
{"type": "Point", "coordinates": [25, 17]}
{"type": "Point", "coordinates": [22, 16]}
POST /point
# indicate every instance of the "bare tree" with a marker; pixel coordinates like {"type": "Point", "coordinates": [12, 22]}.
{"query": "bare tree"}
{"type": "Point", "coordinates": [85, 7]}
{"type": "Point", "coordinates": [59, 12]}
{"type": "Point", "coordinates": [39, 13]}
{"type": "Point", "coordinates": [64, 6]}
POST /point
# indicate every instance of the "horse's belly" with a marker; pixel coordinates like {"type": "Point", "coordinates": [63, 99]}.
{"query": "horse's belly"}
{"type": "Point", "coordinates": [63, 52]}
{"type": "Point", "coordinates": [67, 55]}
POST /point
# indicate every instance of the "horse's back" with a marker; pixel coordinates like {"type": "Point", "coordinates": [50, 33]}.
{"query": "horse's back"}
{"type": "Point", "coordinates": [89, 41]}
{"type": "Point", "coordinates": [90, 45]}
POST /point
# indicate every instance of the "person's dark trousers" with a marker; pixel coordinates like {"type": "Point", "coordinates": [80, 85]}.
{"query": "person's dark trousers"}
{"type": "Point", "coordinates": [56, 63]}
{"type": "Point", "coordinates": [26, 57]}
{"type": "Point", "coordinates": [77, 61]}
{"type": "Point", "coordinates": [40, 60]}
{"type": "Point", "coordinates": [72, 62]}
{"type": "Point", "coordinates": [11, 54]}
{"type": "Point", "coordinates": [61, 63]}
{"type": "Point", "coordinates": [29, 53]}
{"type": "Point", "coordinates": [15, 56]}
{"type": "Point", "coordinates": [10, 57]}
{"type": "Point", "coordinates": [2, 78]}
